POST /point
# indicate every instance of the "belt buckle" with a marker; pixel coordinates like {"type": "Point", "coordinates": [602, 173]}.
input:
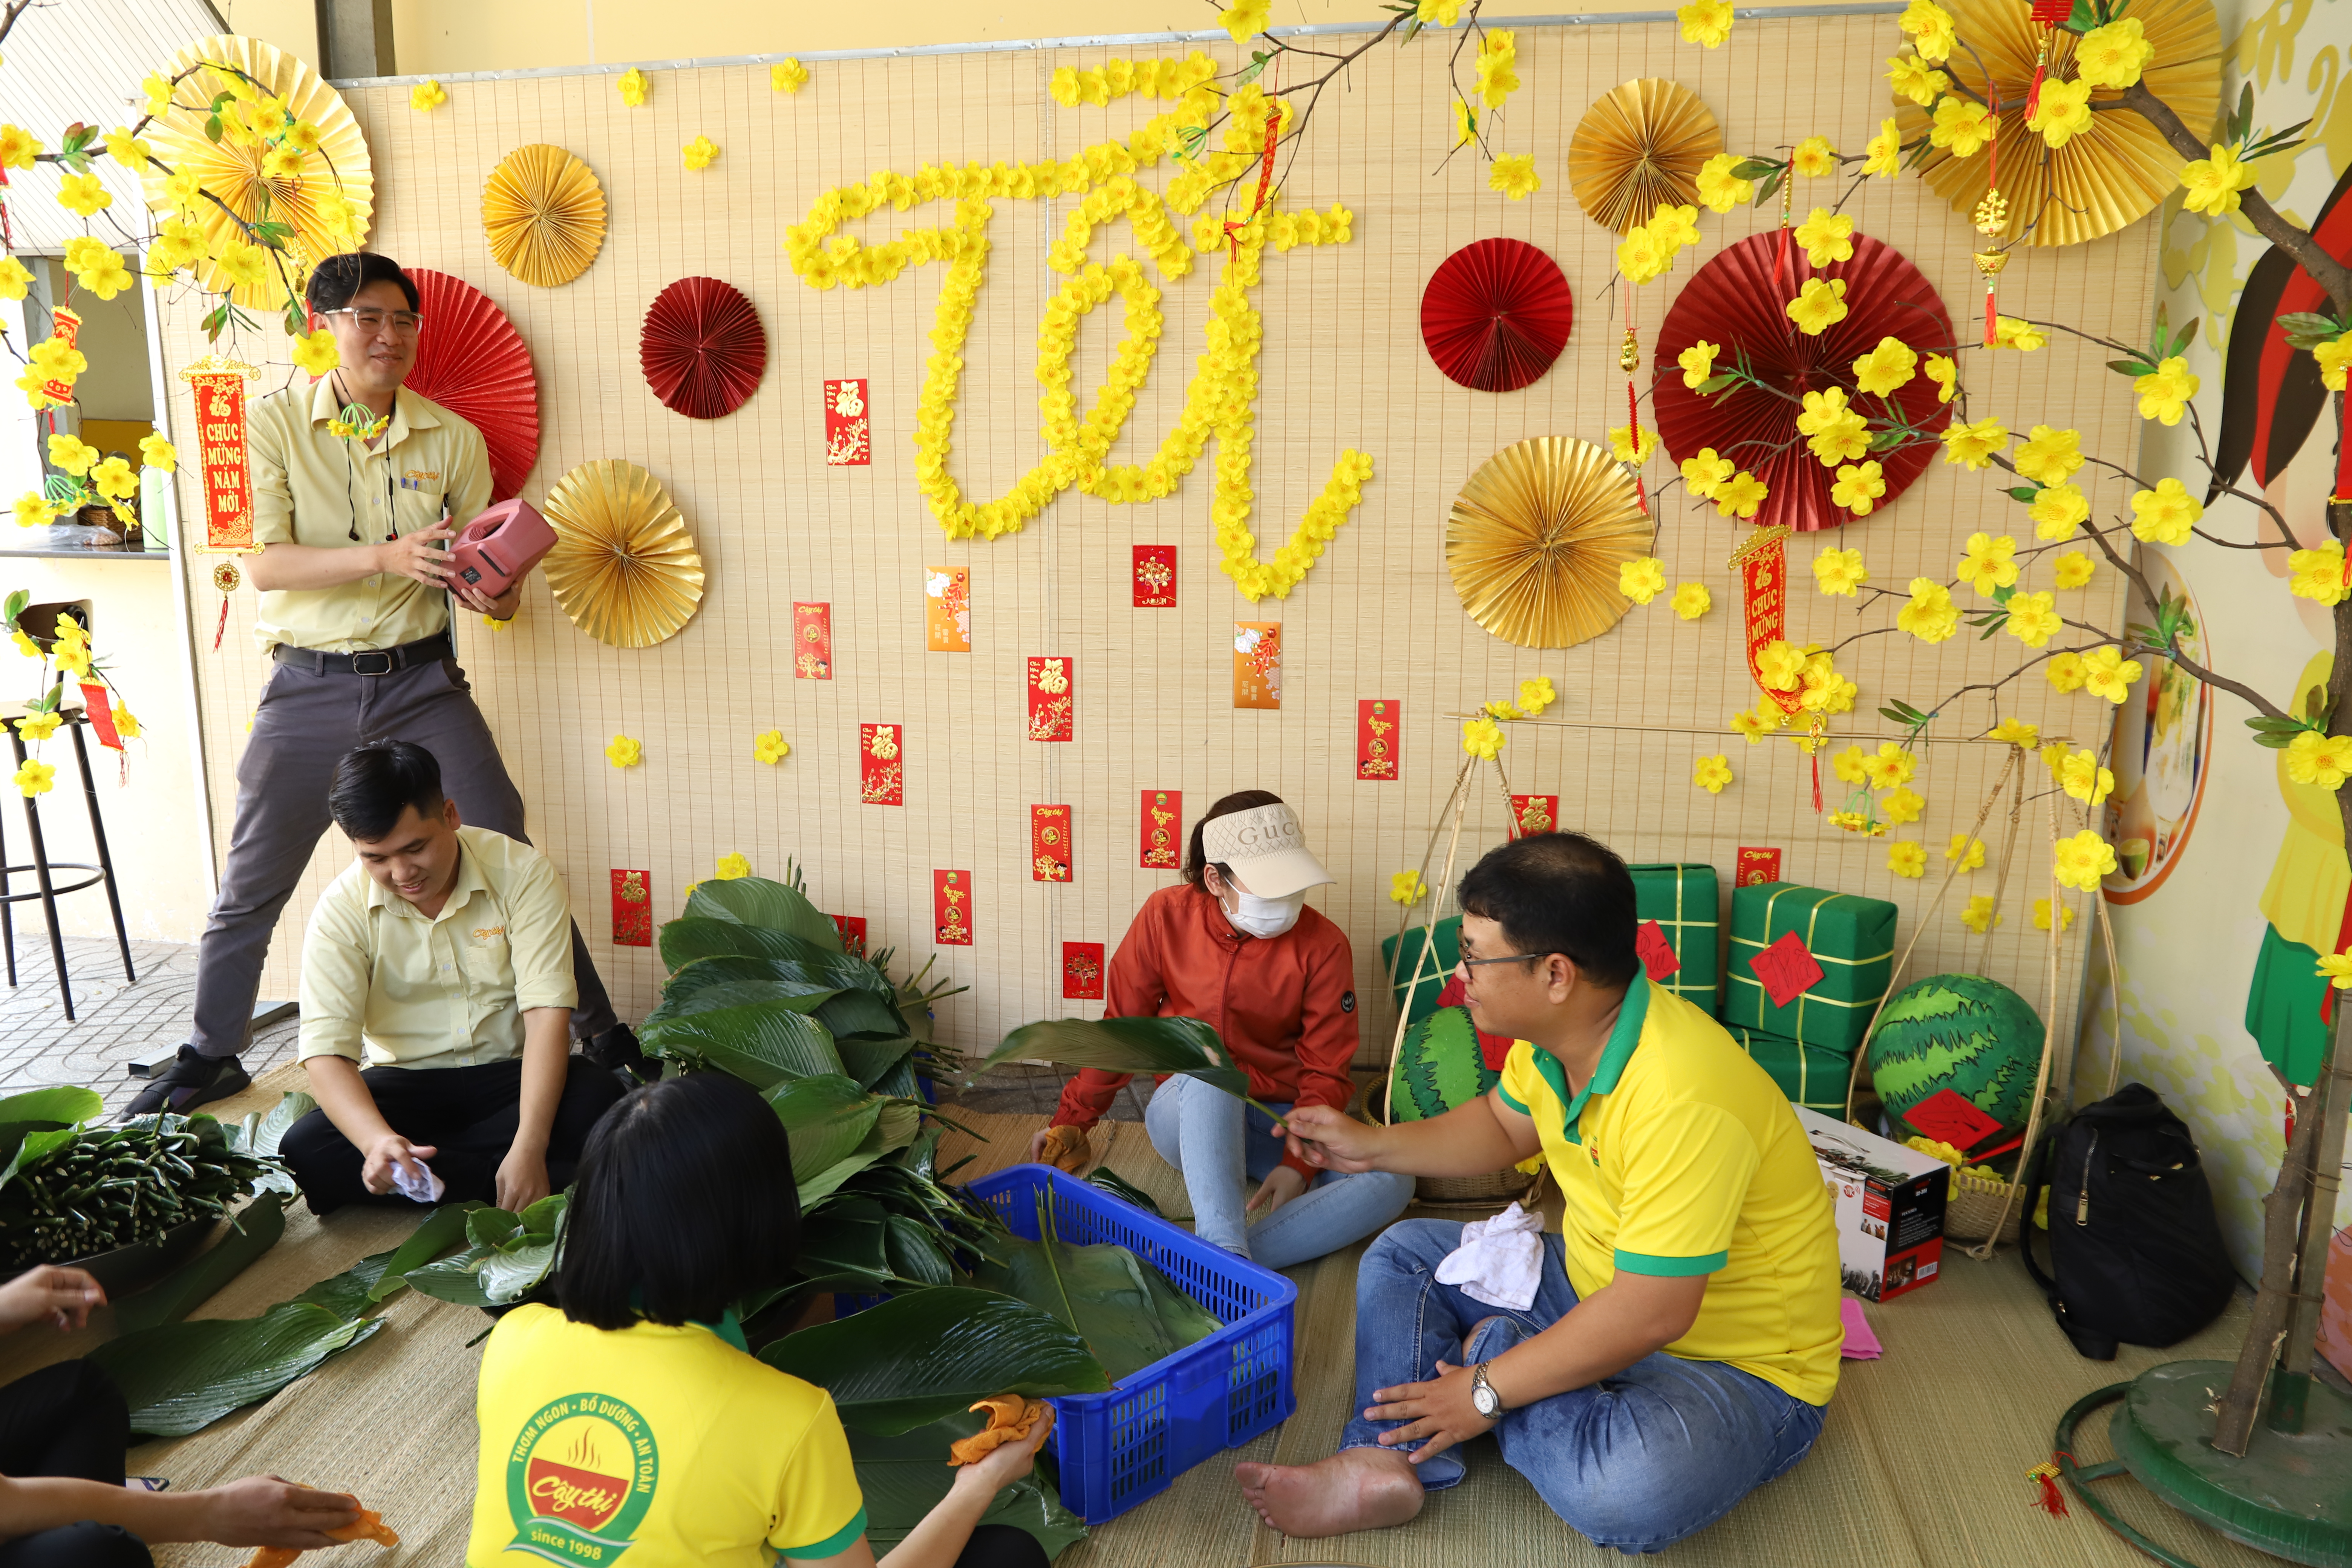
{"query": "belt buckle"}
{"type": "Point", "coordinates": [358, 667]}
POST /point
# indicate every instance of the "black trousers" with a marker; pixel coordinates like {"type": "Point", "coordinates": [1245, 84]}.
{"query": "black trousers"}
{"type": "Point", "coordinates": [68, 1420]}
{"type": "Point", "coordinates": [468, 1114]}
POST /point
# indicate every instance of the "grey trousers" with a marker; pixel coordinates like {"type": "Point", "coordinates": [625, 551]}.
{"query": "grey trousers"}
{"type": "Point", "coordinates": [306, 721]}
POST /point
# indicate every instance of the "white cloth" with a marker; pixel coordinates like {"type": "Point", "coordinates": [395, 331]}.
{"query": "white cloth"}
{"type": "Point", "coordinates": [1500, 1260]}
{"type": "Point", "coordinates": [419, 1186]}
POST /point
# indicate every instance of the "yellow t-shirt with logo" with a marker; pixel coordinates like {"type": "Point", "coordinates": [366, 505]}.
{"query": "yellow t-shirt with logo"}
{"type": "Point", "coordinates": [1681, 1156]}
{"type": "Point", "coordinates": [661, 1447]}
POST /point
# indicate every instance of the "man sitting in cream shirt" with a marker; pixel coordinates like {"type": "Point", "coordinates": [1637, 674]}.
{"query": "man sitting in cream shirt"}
{"type": "Point", "coordinates": [444, 953]}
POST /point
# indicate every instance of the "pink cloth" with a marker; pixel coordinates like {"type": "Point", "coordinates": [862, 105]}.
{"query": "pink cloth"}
{"type": "Point", "coordinates": [1861, 1344]}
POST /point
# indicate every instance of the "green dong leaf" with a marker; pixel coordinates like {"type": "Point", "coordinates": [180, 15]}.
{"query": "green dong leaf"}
{"type": "Point", "coordinates": [1186, 1046]}
{"type": "Point", "coordinates": [920, 1357]}
{"type": "Point", "coordinates": [182, 1377]}
{"type": "Point", "coordinates": [759, 901]}
{"type": "Point", "coordinates": [765, 1044]}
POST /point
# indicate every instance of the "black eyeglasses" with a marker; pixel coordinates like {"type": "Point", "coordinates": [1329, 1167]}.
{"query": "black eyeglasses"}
{"type": "Point", "coordinates": [403, 322]}
{"type": "Point", "coordinates": [1506, 958]}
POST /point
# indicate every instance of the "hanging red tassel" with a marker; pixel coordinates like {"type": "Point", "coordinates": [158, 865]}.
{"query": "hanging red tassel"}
{"type": "Point", "coordinates": [1265, 178]}
{"type": "Point", "coordinates": [220, 627]}
{"type": "Point", "coordinates": [1817, 783]}
{"type": "Point", "coordinates": [2049, 1498]}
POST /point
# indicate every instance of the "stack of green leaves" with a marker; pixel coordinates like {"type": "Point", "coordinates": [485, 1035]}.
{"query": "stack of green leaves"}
{"type": "Point", "coordinates": [1122, 1308]}
{"type": "Point", "coordinates": [69, 1189]}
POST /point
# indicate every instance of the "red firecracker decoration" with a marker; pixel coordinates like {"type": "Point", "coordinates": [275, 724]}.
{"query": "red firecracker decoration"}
{"type": "Point", "coordinates": [703, 348]}
{"type": "Point", "coordinates": [1495, 314]}
{"type": "Point", "coordinates": [472, 362]}
{"type": "Point", "coordinates": [1733, 302]}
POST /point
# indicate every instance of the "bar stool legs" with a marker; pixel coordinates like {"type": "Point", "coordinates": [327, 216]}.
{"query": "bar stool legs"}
{"type": "Point", "coordinates": [105, 859]}
{"type": "Point", "coordinates": [42, 868]}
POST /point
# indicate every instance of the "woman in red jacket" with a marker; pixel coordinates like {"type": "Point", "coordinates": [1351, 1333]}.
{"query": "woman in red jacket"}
{"type": "Point", "coordinates": [1235, 945]}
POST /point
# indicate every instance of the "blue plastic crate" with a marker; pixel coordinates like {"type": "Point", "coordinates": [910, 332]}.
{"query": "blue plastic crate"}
{"type": "Point", "coordinates": [1117, 1448]}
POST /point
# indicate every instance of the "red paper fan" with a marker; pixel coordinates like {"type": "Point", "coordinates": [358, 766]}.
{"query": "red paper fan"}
{"type": "Point", "coordinates": [472, 362]}
{"type": "Point", "coordinates": [703, 350]}
{"type": "Point", "coordinates": [1495, 314]}
{"type": "Point", "coordinates": [1738, 301]}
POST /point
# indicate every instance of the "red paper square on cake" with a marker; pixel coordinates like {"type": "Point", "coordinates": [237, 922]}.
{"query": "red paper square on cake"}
{"type": "Point", "coordinates": [1786, 969]}
{"type": "Point", "coordinates": [1949, 1117]}
{"type": "Point", "coordinates": [1656, 954]}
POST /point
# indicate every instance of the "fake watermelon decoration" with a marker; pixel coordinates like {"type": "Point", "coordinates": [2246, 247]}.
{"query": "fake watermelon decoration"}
{"type": "Point", "coordinates": [1959, 1032]}
{"type": "Point", "coordinates": [1439, 1066]}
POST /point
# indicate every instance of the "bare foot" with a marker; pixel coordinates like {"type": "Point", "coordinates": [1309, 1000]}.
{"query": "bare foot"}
{"type": "Point", "coordinates": [1356, 1488]}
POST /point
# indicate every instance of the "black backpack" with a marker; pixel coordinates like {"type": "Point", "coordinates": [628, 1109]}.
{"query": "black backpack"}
{"type": "Point", "coordinates": [2135, 1248]}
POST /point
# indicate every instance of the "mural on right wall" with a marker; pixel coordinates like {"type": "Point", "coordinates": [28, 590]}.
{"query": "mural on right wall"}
{"type": "Point", "coordinates": [2231, 878]}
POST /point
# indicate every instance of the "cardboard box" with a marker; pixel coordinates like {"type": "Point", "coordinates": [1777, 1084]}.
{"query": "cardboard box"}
{"type": "Point", "coordinates": [1890, 1206]}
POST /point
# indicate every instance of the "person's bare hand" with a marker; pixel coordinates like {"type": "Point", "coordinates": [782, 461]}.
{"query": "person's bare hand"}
{"type": "Point", "coordinates": [1282, 1184]}
{"type": "Point", "coordinates": [387, 1151]}
{"type": "Point", "coordinates": [264, 1510]}
{"type": "Point", "coordinates": [1064, 1148]}
{"type": "Point", "coordinates": [1007, 1462]}
{"type": "Point", "coordinates": [1329, 1139]}
{"type": "Point", "coordinates": [522, 1180]}
{"type": "Point", "coordinates": [499, 607]}
{"type": "Point", "coordinates": [63, 1296]}
{"type": "Point", "coordinates": [1440, 1411]}
{"type": "Point", "coordinates": [417, 555]}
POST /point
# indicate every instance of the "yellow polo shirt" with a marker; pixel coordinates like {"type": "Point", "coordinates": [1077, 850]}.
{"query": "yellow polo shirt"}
{"type": "Point", "coordinates": [656, 1447]}
{"type": "Point", "coordinates": [445, 992]}
{"type": "Point", "coordinates": [312, 487]}
{"type": "Point", "coordinates": [1681, 1156]}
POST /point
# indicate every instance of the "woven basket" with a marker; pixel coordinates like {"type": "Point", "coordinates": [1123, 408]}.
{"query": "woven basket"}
{"type": "Point", "coordinates": [1975, 1208]}
{"type": "Point", "coordinates": [1505, 1186]}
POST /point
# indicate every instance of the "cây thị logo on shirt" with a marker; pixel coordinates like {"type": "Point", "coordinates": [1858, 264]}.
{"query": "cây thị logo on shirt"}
{"type": "Point", "coordinates": [579, 1477]}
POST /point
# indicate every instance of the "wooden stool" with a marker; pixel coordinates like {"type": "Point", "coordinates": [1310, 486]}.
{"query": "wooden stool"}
{"type": "Point", "coordinates": [44, 868]}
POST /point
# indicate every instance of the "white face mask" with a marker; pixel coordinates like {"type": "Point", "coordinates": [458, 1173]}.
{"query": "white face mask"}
{"type": "Point", "coordinates": [1265, 917]}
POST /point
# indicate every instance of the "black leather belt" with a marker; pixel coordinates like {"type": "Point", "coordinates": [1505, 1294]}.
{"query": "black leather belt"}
{"type": "Point", "coordinates": [370, 661]}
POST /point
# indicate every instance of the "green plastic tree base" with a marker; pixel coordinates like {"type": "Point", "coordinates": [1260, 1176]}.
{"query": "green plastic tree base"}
{"type": "Point", "coordinates": [2290, 1496]}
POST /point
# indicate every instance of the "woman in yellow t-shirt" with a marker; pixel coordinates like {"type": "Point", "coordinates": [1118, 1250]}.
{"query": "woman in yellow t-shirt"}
{"type": "Point", "coordinates": [633, 1418]}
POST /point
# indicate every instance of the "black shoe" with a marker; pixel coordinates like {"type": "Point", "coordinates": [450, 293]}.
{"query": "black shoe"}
{"type": "Point", "coordinates": [190, 1081]}
{"type": "Point", "coordinates": [618, 1050]}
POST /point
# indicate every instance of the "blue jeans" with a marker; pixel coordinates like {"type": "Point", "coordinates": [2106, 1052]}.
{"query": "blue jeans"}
{"type": "Point", "coordinates": [1635, 1461]}
{"type": "Point", "coordinates": [1224, 1148]}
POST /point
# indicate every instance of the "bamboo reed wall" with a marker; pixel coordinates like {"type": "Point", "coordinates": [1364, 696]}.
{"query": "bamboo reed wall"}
{"type": "Point", "coordinates": [1342, 366]}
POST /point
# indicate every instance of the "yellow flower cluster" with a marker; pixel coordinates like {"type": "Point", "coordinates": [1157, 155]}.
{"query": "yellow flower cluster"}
{"type": "Point", "coordinates": [2017, 733]}
{"type": "Point", "coordinates": [427, 95]}
{"type": "Point", "coordinates": [1642, 580]}
{"type": "Point", "coordinates": [1827, 236]}
{"type": "Point", "coordinates": [2013, 333]}
{"type": "Point", "coordinates": [2058, 511]}
{"type": "Point", "coordinates": [1969, 852]}
{"type": "Point", "coordinates": [623, 751]}
{"type": "Point", "coordinates": [1835, 433]}
{"type": "Point", "coordinates": [1882, 153]}
{"type": "Point", "coordinates": [2318, 573]}
{"type": "Point", "coordinates": [2113, 55]}
{"type": "Point", "coordinates": [33, 776]}
{"type": "Point", "coordinates": [1840, 572]}
{"type": "Point", "coordinates": [97, 267]}
{"type": "Point", "coordinates": [1407, 888]}
{"type": "Point", "coordinates": [2084, 859]}
{"type": "Point", "coordinates": [1978, 916]}
{"type": "Point", "coordinates": [1781, 665]}
{"type": "Point", "coordinates": [1168, 77]}
{"type": "Point", "coordinates": [1692, 600]}
{"type": "Point", "coordinates": [2049, 457]}
{"type": "Point", "coordinates": [734, 868]}
{"type": "Point", "coordinates": [2313, 758]}
{"type": "Point", "coordinates": [1719, 188]}
{"type": "Point", "coordinates": [2080, 775]}
{"type": "Point", "coordinates": [2074, 569]}
{"type": "Point", "coordinates": [1649, 249]}
{"type": "Point", "coordinates": [1906, 858]}
{"type": "Point", "coordinates": [1484, 738]}
{"type": "Point", "coordinates": [2164, 393]}
{"type": "Point", "coordinates": [770, 746]}
{"type": "Point", "coordinates": [787, 75]}
{"type": "Point", "coordinates": [1711, 774]}
{"type": "Point", "coordinates": [2062, 112]}
{"type": "Point", "coordinates": [1498, 66]}
{"type": "Point", "coordinates": [1887, 369]}
{"type": "Point", "coordinates": [2334, 357]}
{"type": "Point", "coordinates": [1707, 23]}
{"type": "Point", "coordinates": [1220, 401]}
{"type": "Point", "coordinates": [2166, 514]}
{"type": "Point", "coordinates": [1818, 306]}
{"type": "Point", "coordinates": [1974, 447]}
{"type": "Point", "coordinates": [1988, 563]}
{"type": "Point", "coordinates": [699, 153]}
{"type": "Point", "coordinates": [1931, 616]}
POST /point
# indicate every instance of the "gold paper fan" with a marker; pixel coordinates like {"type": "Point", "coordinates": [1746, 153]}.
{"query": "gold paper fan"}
{"type": "Point", "coordinates": [545, 215]}
{"type": "Point", "coordinates": [624, 567]}
{"type": "Point", "coordinates": [1535, 537]}
{"type": "Point", "coordinates": [2107, 177]}
{"type": "Point", "coordinates": [1638, 146]}
{"type": "Point", "coordinates": [233, 172]}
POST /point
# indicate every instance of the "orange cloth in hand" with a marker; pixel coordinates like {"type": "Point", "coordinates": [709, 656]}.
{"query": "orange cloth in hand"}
{"type": "Point", "coordinates": [369, 1525]}
{"type": "Point", "coordinates": [1066, 1148]}
{"type": "Point", "coordinates": [1011, 1419]}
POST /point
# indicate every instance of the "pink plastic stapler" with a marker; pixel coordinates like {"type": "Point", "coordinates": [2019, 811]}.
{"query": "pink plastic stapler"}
{"type": "Point", "coordinates": [497, 549]}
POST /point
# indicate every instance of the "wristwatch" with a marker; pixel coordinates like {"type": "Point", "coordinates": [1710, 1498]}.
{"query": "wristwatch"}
{"type": "Point", "coordinates": [1488, 1402]}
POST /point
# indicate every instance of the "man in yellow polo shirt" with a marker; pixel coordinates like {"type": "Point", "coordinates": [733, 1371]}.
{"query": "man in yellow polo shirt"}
{"type": "Point", "coordinates": [443, 955]}
{"type": "Point", "coordinates": [1675, 1347]}
{"type": "Point", "coordinates": [356, 612]}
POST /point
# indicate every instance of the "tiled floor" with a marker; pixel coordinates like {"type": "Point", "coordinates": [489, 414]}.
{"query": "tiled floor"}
{"type": "Point", "coordinates": [115, 1022]}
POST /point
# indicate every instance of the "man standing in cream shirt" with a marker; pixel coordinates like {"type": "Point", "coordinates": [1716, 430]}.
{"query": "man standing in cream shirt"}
{"type": "Point", "coordinates": [353, 530]}
{"type": "Point", "coordinates": [444, 955]}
